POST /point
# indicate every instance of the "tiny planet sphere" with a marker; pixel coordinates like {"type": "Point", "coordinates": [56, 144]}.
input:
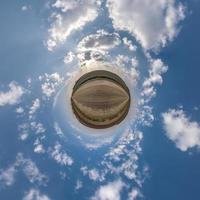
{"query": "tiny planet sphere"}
{"type": "Point", "coordinates": [100, 99]}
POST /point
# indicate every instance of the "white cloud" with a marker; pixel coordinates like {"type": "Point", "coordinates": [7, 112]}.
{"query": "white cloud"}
{"type": "Point", "coordinates": [65, 5]}
{"type": "Point", "coordinates": [24, 8]}
{"type": "Point", "coordinates": [37, 127]}
{"type": "Point", "coordinates": [70, 16]}
{"type": "Point", "coordinates": [38, 147]}
{"type": "Point", "coordinates": [7, 176]}
{"type": "Point", "coordinates": [133, 194]}
{"type": "Point", "coordinates": [58, 129]}
{"type": "Point", "coordinates": [69, 57]}
{"type": "Point", "coordinates": [19, 110]}
{"type": "Point", "coordinates": [100, 41]}
{"type": "Point", "coordinates": [149, 92]}
{"type": "Point", "coordinates": [152, 22]}
{"type": "Point", "coordinates": [34, 194]}
{"type": "Point", "coordinates": [111, 191]}
{"type": "Point", "coordinates": [85, 56]}
{"type": "Point", "coordinates": [79, 185]}
{"type": "Point", "coordinates": [129, 44]}
{"type": "Point", "coordinates": [31, 170]}
{"type": "Point", "coordinates": [157, 68]}
{"type": "Point", "coordinates": [51, 82]}
{"type": "Point", "coordinates": [60, 156]}
{"type": "Point", "coordinates": [23, 129]}
{"type": "Point", "coordinates": [48, 89]}
{"type": "Point", "coordinates": [96, 46]}
{"type": "Point", "coordinates": [27, 166]}
{"type": "Point", "coordinates": [134, 62]}
{"type": "Point", "coordinates": [13, 95]}
{"type": "Point", "coordinates": [23, 136]}
{"type": "Point", "coordinates": [93, 174]}
{"type": "Point", "coordinates": [179, 128]}
{"type": "Point", "coordinates": [122, 60]}
{"type": "Point", "coordinates": [145, 115]}
{"type": "Point", "coordinates": [123, 157]}
{"type": "Point", "coordinates": [35, 106]}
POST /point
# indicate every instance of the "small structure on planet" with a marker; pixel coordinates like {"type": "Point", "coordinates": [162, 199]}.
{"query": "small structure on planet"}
{"type": "Point", "coordinates": [100, 99]}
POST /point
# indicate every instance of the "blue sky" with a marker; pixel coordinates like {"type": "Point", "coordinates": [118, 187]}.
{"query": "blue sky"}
{"type": "Point", "coordinates": [45, 153]}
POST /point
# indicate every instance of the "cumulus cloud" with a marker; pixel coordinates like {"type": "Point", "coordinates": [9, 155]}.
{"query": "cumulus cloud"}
{"type": "Point", "coordinates": [152, 22]}
{"type": "Point", "coordinates": [70, 15]}
{"type": "Point", "coordinates": [179, 128]}
{"type": "Point", "coordinates": [13, 95]}
{"type": "Point", "coordinates": [34, 194]}
{"type": "Point", "coordinates": [111, 191]}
